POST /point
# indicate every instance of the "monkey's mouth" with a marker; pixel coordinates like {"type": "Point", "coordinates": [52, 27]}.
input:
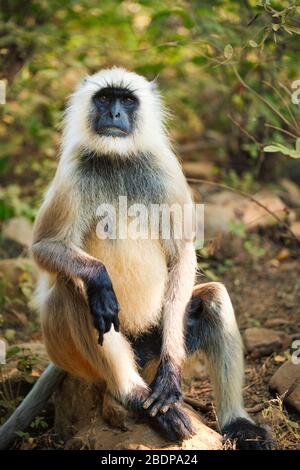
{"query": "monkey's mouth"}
{"type": "Point", "coordinates": [112, 131]}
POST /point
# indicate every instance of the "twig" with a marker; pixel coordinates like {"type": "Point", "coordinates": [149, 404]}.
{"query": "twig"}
{"type": "Point", "coordinates": [251, 198]}
{"type": "Point", "coordinates": [198, 405]}
{"type": "Point", "coordinates": [257, 408]}
{"type": "Point", "coordinates": [261, 98]}
{"type": "Point", "coordinates": [251, 137]}
{"type": "Point", "coordinates": [281, 130]}
{"type": "Point", "coordinates": [284, 102]}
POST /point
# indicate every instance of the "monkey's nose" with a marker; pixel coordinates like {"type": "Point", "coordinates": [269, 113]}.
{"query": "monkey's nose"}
{"type": "Point", "coordinates": [114, 115]}
{"type": "Point", "coordinates": [115, 111]}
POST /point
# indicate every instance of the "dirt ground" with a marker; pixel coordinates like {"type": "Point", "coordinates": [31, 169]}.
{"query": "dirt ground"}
{"type": "Point", "coordinates": [262, 289]}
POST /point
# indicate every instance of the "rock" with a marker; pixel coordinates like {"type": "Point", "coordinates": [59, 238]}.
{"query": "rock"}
{"type": "Point", "coordinates": [295, 227]}
{"type": "Point", "coordinates": [226, 198]}
{"type": "Point", "coordinates": [291, 192]}
{"type": "Point", "coordinates": [217, 220]}
{"type": "Point", "coordinates": [263, 341]}
{"type": "Point", "coordinates": [286, 380]}
{"type": "Point", "coordinates": [18, 229]}
{"type": "Point", "coordinates": [87, 417]}
{"type": "Point", "coordinates": [243, 210]}
{"type": "Point", "coordinates": [254, 216]}
{"type": "Point", "coordinates": [275, 322]}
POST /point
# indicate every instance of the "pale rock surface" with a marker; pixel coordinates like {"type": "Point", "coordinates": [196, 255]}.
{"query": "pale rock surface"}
{"type": "Point", "coordinates": [264, 341]}
{"type": "Point", "coordinates": [87, 417]}
{"type": "Point", "coordinates": [286, 382]}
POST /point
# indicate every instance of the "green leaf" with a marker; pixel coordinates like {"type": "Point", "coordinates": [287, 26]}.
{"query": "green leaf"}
{"type": "Point", "coordinates": [271, 148]}
{"type": "Point", "coordinates": [292, 29]}
{"type": "Point", "coordinates": [253, 43]}
{"type": "Point", "coordinates": [13, 351]}
{"type": "Point", "coordinates": [275, 27]}
{"type": "Point", "coordinates": [284, 150]}
{"type": "Point", "coordinates": [228, 51]}
{"type": "Point", "coordinates": [298, 145]}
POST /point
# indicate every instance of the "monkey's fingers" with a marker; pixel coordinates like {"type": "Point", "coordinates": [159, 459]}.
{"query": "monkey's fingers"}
{"type": "Point", "coordinates": [151, 399]}
{"type": "Point", "coordinates": [116, 324]}
{"type": "Point", "coordinates": [100, 339]}
{"type": "Point", "coordinates": [104, 326]}
{"type": "Point", "coordinates": [100, 326]}
{"type": "Point", "coordinates": [169, 402]}
{"type": "Point", "coordinates": [175, 424]}
{"type": "Point", "coordinates": [184, 422]}
{"type": "Point", "coordinates": [163, 403]}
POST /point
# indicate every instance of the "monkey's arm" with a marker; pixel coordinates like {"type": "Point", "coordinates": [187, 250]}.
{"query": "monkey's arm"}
{"type": "Point", "coordinates": [54, 251]}
{"type": "Point", "coordinates": [166, 389]}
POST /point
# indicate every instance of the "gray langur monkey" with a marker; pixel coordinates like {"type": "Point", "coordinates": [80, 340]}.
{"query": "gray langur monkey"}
{"type": "Point", "coordinates": [110, 306]}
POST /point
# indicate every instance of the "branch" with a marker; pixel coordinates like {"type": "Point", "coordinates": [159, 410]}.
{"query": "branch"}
{"type": "Point", "coordinates": [31, 406]}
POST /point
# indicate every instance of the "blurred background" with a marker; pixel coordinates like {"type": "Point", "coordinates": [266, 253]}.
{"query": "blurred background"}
{"type": "Point", "coordinates": [229, 72]}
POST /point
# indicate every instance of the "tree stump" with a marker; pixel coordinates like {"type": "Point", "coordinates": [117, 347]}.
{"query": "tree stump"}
{"type": "Point", "coordinates": [87, 417]}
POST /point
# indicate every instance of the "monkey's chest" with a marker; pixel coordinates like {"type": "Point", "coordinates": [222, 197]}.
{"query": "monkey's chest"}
{"type": "Point", "coordinates": [105, 179]}
{"type": "Point", "coordinates": [138, 272]}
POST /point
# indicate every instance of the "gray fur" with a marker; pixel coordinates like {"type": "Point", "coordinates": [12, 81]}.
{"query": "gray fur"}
{"type": "Point", "coordinates": [103, 178]}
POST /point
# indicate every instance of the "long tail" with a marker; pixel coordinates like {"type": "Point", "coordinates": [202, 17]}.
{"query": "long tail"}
{"type": "Point", "coordinates": [32, 405]}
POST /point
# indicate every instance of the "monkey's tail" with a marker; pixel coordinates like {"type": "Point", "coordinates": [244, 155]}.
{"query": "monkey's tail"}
{"type": "Point", "coordinates": [31, 406]}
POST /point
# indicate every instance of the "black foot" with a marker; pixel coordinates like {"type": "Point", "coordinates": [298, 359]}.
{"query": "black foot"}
{"type": "Point", "coordinates": [174, 425]}
{"type": "Point", "coordinates": [247, 436]}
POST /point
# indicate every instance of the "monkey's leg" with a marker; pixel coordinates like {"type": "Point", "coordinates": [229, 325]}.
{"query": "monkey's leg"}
{"type": "Point", "coordinates": [173, 423]}
{"type": "Point", "coordinates": [212, 328]}
{"type": "Point", "coordinates": [71, 341]}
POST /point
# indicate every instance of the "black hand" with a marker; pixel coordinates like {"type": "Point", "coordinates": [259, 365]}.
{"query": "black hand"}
{"type": "Point", "coordinates": [165, 389]}
{"type": "Point", "coordinates": [103, 303]}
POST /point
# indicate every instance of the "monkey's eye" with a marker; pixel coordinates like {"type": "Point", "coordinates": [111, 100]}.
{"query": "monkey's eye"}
{"type": "Point", "coordinates": [103, 98]}
{"type": "Point", "coordinates": [128, 100]}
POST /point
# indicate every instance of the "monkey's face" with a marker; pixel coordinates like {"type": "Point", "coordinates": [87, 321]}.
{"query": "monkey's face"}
{"type": "Point", "coordinates": [114, 112]}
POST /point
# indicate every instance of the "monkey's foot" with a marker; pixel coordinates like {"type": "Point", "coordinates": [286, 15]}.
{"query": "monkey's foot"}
{"type": "Point", "coordinates": [174, 425]}
{"type": "Point", "coordinates": [164, 390]}
{"type": "Point", "coordinates": [247, 435]}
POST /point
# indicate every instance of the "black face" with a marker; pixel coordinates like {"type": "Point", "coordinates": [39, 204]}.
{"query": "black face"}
{"type": "Point", "coordinates": [115, 111]}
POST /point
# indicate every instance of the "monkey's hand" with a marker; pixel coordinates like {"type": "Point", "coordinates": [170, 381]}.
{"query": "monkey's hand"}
{"type": "Point", "coordinates": [102, 302]}
{"type": "Point", "coordinates": [165, 389]}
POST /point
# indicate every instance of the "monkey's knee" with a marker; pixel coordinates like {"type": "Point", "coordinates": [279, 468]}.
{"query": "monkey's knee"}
{"type": "Point", "coordinates": [210, 317]}
{"type": "Point", "coordinates": [212, 295]}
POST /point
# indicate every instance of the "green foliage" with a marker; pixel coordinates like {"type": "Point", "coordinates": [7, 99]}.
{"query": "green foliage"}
{"type": "Point", "coordinates": [293, 153]}
{"type": "Point", "coordinates": [39, 423]}
{"type": "Point", "coordinates": [225, 69]}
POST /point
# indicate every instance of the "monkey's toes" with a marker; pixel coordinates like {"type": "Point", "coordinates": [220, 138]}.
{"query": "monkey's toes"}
{"type": "Point", "coordinates": [161, 402]}
{"type": "Point", "coordinates": [175, 424]}
{"type": "Point", "coordinates": [247, 435]}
